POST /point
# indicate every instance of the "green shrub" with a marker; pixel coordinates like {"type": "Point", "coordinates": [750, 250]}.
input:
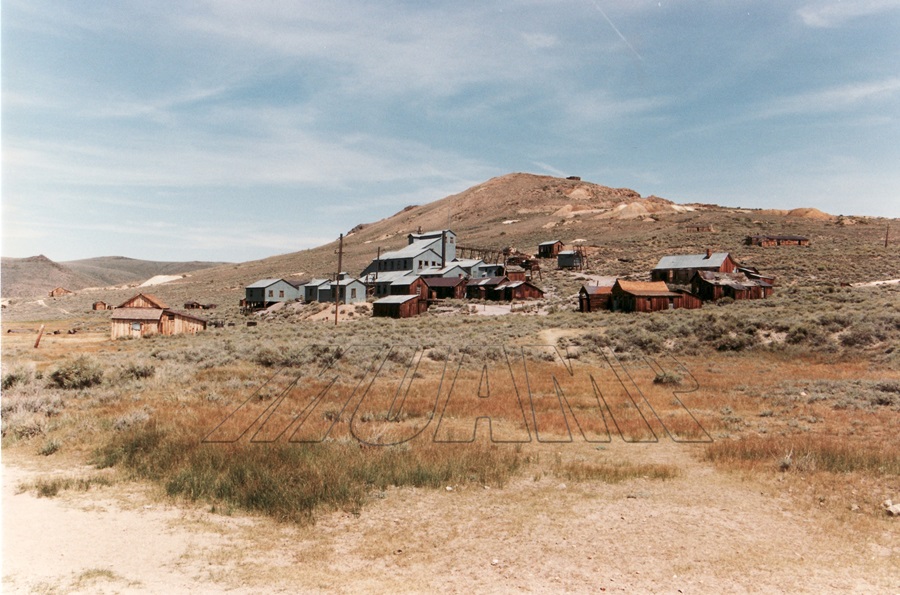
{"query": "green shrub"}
{"type": "Point", "coordinates": [78, 373]}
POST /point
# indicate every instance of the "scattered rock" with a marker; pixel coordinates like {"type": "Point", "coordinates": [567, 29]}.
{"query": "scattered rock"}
{"type": "Point", "coordinates": [894, 510]}
{"type": "Point", "coordinates": [887, 503]}
{"type": "Point", "coordinates": [854, 508]}
{"type": "Point", "coordinates": [494, 562]}
{"type": "Point", "coordinates": [449, 488]}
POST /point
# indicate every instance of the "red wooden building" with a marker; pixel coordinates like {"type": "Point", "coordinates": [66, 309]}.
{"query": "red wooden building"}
{"type": "Point", "coordinates": [399, 306]}
{"type": "Point", "coordinates": [709, 286]}
{"type": "Point", "coordinates": [636, 296]}
{"type": "Point", "coordinates": [446, 288]}
{"type": "Point", "coordinates": [592, 298]}
{"type": "Point", "coordinates": [680, 269]}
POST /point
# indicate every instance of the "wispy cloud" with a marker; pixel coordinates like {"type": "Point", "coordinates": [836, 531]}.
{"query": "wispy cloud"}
{"type": "Point", "coordinates": [833, 13]}
{"type": "Point", "coordinates": [834, 99]}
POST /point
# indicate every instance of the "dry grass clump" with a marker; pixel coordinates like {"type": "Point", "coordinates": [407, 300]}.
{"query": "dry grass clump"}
{"type": "Point", "coordinates": [613, 472]}
{"type": "Point", "coordinates": [293, 482]}
{"type": "Point", "coordinates": [808, 453]}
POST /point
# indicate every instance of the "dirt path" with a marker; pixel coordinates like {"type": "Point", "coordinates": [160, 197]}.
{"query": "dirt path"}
{"type": "Point", "coordinates": [703, 532]}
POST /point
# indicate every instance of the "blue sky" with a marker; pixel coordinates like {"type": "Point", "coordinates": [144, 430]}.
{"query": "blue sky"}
{"type": "Point", "coordinates": [234, 130]}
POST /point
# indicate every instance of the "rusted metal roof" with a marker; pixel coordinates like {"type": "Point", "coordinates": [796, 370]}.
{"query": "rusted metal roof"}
{"type": "Point", "coordinates": [645, 289]}
{"type": "Point", "coordinates": [184, 314]}
{"type": "Point", "coordinates": [444, 281]}
{"type": "Point", "coordinates": [596, 289]}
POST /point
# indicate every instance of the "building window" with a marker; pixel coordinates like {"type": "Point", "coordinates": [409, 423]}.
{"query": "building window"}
{"type": "Point", "coordinates": [352, 293]}
{"type": "Point", "coordinates": [136, 326]}
{"type": "Point", "coordinates": [280, 293]}
{"type": "Point", "coordinates": [271, 293]}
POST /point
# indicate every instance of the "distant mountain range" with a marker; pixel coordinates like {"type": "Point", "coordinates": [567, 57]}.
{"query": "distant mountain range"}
{"type": "Point", "coordinates": [37, 275]}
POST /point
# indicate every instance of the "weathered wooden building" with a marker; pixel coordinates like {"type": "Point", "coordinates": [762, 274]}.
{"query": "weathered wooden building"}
{"type": "Point", "coordinates": [592, 298]}
{"type": "Point", "coordinates": [348, 290]}
{"type": "Point", "coordinates": [60, 292]}
{"type": "Point", "coordinates": [446, 288]}
{"type": "Point", "coordinates": [145, 314]}
{"type": "Point", "coordinates": [518, 290]}
{"type": "Point", "coordinates": [399, 306]}
{"type": "Point", "coordinates": [266, 292]}
{"type": "Point", "coordinates": [550, 249]}
{"type": "Point", "coordinates": [485, 288]}
{"type": "Point", "coordinates": [680, 269]}
{"type": "Point", "coordinates": [637, 296]}
{"type": "Point", "coordinates": [515, 273]}
{"type": "Point", "coordinates": [711, 286]}
{"type": "Point", "coordinates": [101, 305]}
{"type": "Point", "coordinates": [767, 241]}
{"type": "Point", "coordinates": [410, 285]}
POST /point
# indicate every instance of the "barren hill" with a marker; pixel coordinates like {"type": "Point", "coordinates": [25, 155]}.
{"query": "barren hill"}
{"type": "Point", "coordinates": [37, 275]}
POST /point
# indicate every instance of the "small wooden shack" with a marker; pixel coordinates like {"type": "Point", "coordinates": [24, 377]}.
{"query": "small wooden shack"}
{"type": "Point", "coordinates": [570, 259]}
{"type": "Point", "coordinates": [550, 249]}
{"type": "Point", "coordinates": [767, 241]}
{"type": "Point", "coordinates": [592, 298]}
{"type": "Point", "coordinates": [515, 273]}
{"type": "Point", "coordinates": [100, 305]}
{"type": "Point", "coordinates": [399, 306]}
{"type": "Point", "coordinates": [60, 292]}
{"type": "Point", "coordinates": [636, 296]}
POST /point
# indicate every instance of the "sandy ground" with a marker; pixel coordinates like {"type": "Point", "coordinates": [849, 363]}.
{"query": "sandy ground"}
{"type": "Point", "coordinates": [704, 532]}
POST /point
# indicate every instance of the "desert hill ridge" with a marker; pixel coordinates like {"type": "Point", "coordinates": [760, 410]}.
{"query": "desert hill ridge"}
{"type": "Point", "coordinates": [521, 210]}
{"type": "Point", "coordinates": [37, 275]}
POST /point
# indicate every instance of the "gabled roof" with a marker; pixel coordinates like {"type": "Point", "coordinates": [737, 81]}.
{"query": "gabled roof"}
{"type": "Point", "coordinates": [444, 281]}
{"type": "Point", "coordinates": [551, 242]}
{"type": "Point", "coordinates": [149, 297]}
{"type": "Point", "coordinates": [137, 313]}
{"type": "Point", "coordinates": [487, 281]}
{"type": "Point", "coordinates": [738, 281]}
{"type": "Point", "coordinates": [263, 283]}
{"type": "Point", "coordinates": [388, 276]}
{"type": "Point", "coordinates": [596, 289]}
{"type": "Point", "coordinates": [397, 299]}
{"type": "Point", "coordinates": [645, 289]}
{"type": "Point", "coordinates": [405, 280]}
{"type": "Point", "coordinates": [317, 283]}
{"type": "Point", "coordinates": [692, 261]}
{"type": "Point", "coordinates": [413, 250]}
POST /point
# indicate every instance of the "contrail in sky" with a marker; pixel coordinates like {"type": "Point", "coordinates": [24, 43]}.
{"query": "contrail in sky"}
{"type": "Point", "coordinates": [619, 33]}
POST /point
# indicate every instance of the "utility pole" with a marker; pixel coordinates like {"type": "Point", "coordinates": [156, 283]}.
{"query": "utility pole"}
{"type": "Point", "coordinates": [887, 234]}
{"type": "Point", "coordinates": [337, 287]}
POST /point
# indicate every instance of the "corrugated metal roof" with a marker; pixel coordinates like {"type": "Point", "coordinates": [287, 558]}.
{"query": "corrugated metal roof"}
{"type": "Point", "coordinates": [397, 299]}
{"type": "Point", "coordinates": [263, 283]}
{"type": "Point", "coordinates": [484, 281]}
{"type": "Point", "coordinates": [411, 251]}
{"type": "Point", "coordinates": [692, 261]}
{"type": "Point", "coordinates": [318, 282]}
{"type": "Point", "coordinates": [550, 243]}
{"type": "Point", "coordinates": [137, 314]}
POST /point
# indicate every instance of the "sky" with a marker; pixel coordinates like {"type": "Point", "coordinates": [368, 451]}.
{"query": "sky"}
{"type": "Point", "coordinates": [227, 130]}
